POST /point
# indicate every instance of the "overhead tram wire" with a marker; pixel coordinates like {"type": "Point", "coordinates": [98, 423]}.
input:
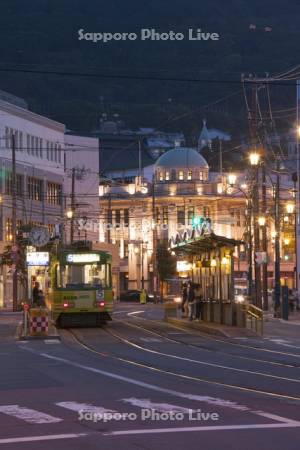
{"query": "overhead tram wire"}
{"type": "Point", "coordinates": [139, 77]}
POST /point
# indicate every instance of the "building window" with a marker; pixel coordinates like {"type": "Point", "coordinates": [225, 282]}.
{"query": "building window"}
{"type": "Point", "coordinates": [8, 230]}
{"type": "Point", "coordinates": [165, 215]}
{"type": "Point", "coordinates": [54, 191]}
{"type": "Point", "coordinates": [48, 148]}
{"type": "Point", "coordinates": [206, 211]}
{"type": "Point", "coordinates": [59, 153]}
{"type": "Point", "coordinates": [189, 175]}
{"type": "Point", "coordinates": [35, 189]}
{"type": "Point", "coordinates": [167, 175]}
{"type": "Point", "coordinates": [19, 184]}
{"type": "Point", "coordinates": [180, 215]}
{"type": "Point", "coordinates": [117, 218]}
{"type": "Point", "coordinates": [28, 143]}
{"type": "Point", "coordinates": [161, 176]}
{"type": "Point", "coordinates": [20, 140]}
{"type": "Point", "coordinates": [126, 217]}
{"type": "Point", "coordinates": [180, 175]}
{"type": "Point", "coordinates": [201, 177]}
{"type": "Point", "coordinates": [191, 214]}
{"type": "Point", "coordinates": [41, 147]}
{"type": "Point", "coordinates": [126, 251]}
{"type": "Point", "coordinates": [157, 216]}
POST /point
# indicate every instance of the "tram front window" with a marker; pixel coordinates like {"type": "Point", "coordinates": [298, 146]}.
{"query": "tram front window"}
{"type": "Point", "coordinates": [84, 276]}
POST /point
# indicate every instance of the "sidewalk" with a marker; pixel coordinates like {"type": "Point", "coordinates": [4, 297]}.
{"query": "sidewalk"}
{"type": "Point", "coordinates": [283, 329]}
{"type": "Point", "coordinates": [9, 322]}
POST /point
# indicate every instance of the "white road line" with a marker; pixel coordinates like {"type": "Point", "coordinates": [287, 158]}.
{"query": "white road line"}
{"type": "Point", "coordinates": [74, 406]}
{"type": "Point", "coordinates": [161, 407]}
{"type": "Point", "coordinates": [209, 428]}
{"type": "Point", "coordinates": [149, 339]}
{"type": "Point", "coordinates": [275, 417]}
{"type": "Point", "coordinates": [47, 437]}
{"type": "Point", "coordinates": [52, 341]}
{"type": "Point", "coordinates": [199, 398]}
{"type": "Point", "coordinates": [134, 312]}
{"type": "Point", "coordinates": [28, 415]}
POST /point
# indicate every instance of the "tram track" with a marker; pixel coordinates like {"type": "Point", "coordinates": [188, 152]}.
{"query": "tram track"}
{"type": "Point", "coordinates": [214, 339]}
{"type": "Point", "coordinates": [203, 348]}
{"type": "Point", "coordinates": [157, 369]}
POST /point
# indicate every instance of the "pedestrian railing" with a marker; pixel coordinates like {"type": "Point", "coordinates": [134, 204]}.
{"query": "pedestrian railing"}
{"type": "Point", "coordinates": [254, 318]}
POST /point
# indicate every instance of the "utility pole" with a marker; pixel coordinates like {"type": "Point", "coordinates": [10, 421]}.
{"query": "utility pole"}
{"type": "Point", "coordinates": [154, 239]}
{"type": "Point", "coordinates": [277, 242]}
{"type": "Point", "coordinates": [257, 270]}
{"type": "Point", "coordinates": [72, 206]}
{"type": "Point", "coordinates": [14, 223]}
{"type": "Point", "coordinates": [220, 157]}
{"type": "Point", "coordinates": [250, 248]}
{"type": "Point", "coordinates": [264, 241]}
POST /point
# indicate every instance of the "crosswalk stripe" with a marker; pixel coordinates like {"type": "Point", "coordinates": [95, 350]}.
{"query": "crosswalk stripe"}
{"type": "Point", "coordinates": [27, 414]}
{"type": "Point", "coordinates": [160, 407]}
{"type": "Point", "coordinates": [77, 407]}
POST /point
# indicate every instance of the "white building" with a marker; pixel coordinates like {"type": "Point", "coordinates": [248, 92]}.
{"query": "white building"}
{"type": "Point", "coordinates": [39, 144]}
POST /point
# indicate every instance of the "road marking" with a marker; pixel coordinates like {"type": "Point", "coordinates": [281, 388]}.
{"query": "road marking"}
{"type": "Point", "coordinates": [199, 398]}
{"type": "Point", "coordinates": [208, 428]}
{"type": "Point", "coordinates": [274, 417]}
{"type": "Point", "coordinates": [149, 339]}
{"type": "Point", "coordinates": [28, 415]}
{"type": "Point", "coordinates": [135, 312]}
{"type": "Point", "coordinates": [284, 343]}
{"type": "Point", "coordinates": [52, 341]}
{"type": "Point", "coordinates": [74, 406]}
{"type": "Point", "coordinates": [47, 437]}
{"type": "Point", "coordinates": [161, 407]}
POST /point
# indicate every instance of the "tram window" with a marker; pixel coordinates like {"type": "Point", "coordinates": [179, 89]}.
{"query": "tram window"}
{"type": "Point", "coordinates": [84, 276]}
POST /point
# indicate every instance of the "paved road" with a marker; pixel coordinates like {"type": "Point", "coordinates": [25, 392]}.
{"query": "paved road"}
{"type": "Point", "coordinates": [155, 386]}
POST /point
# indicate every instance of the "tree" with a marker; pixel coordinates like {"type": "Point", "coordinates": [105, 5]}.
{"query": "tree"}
{"type": "Point", "coordinates": [166, 264]}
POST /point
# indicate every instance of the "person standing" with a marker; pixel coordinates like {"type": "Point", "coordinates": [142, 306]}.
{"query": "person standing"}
{"type": "Point", "coordinates": [198, 302]}
{"type": "Point", "coordinates": [191, 300]}
{"type": "Point", "coordinates": [35, 293]}
{"type": "Point", "coordinates": [184, 297]}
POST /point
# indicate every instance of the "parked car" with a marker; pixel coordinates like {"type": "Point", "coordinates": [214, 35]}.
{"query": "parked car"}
{"type": "Point", "coordinates": [133, 295]}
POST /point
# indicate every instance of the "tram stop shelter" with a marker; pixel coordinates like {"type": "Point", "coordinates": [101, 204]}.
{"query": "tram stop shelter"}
{"type": "Point", "coordinates": [208, 261]}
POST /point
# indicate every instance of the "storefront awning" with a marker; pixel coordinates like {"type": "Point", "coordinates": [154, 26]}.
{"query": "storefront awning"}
{"type": "Point", "coordinates": [205, 242]}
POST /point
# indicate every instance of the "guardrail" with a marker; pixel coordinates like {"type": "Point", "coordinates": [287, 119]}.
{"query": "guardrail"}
{"type": "Point", "coordinates": [254, 317]}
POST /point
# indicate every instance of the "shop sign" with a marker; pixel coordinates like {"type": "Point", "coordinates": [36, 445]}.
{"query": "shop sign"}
{"type": "Point", "coordinates": [37, 259]}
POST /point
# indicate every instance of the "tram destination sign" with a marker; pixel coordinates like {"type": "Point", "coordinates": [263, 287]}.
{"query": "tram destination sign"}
{"type": "Point", "coordinates": [83, 258]}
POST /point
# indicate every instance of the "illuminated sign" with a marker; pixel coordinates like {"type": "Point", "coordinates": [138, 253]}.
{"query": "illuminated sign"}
{"type": "Point", "coordinates": [183, 266]}
{"type": "Point", "coordinates": [37, 258]}
{"type": "Point", "coordinates": [83, 258]}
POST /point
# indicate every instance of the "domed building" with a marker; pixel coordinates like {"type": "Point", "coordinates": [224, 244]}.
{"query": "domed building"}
{"type": "Point", "coordinates": [177, 191]}
{"type": "Point", "coordinates": [181, 164]}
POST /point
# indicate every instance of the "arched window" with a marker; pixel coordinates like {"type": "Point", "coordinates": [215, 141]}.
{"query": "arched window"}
{"type": "Point", "coordinates": [180, 175]}
{"type": "Point", "coordinates": [167, 177]}
{"type": "Point", "coordinates": [189, 175]}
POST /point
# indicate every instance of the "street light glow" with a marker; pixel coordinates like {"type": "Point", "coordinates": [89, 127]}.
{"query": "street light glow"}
{"type": "Point", "coordinates": [290, 208]}
{"type": "Point", "coordinates": [69, 214]}
{"type": "Point", "coordinates": [232, 179]}
{"type": "Point", "coordinates": [254, 159]}
{"type": "Point", "coordinates": [261, 221]}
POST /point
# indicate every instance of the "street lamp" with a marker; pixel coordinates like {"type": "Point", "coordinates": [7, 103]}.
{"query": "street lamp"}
{"type": "Point", "coordinates": [290, 208]}
{"type": "Point", "coordinates": [70, 214]}
{"type": "Point", "coordinates": [261, 221]}
{"type": "Point", "coordinates": [232, 179]}
{"type": "Point", "coordinates": [254, 159]}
